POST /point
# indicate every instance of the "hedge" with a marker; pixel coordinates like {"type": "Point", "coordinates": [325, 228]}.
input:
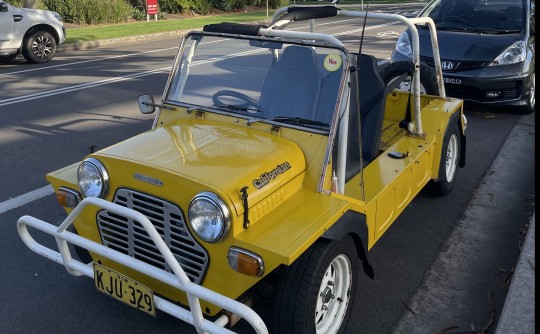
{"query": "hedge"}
{"type": "Point", "coordinates": [115, 11]}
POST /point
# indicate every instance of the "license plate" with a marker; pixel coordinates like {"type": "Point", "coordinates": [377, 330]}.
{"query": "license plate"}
{"type": "Point", "coordinates": [124, 289]}
{"type": "Point", "coordinates": [454, 81]}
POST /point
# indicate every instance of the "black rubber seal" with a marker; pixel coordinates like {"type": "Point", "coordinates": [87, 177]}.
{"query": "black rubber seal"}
{"type": "Point", "coordinates": [308, 13]}
{"type": "Point", "coordinates": [234, 28]}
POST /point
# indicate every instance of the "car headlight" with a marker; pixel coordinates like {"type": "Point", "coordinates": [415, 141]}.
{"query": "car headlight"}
{"type": "Point", "coordinates": [403, 45]}
{"type": "Point", "coordinates": [515, 53]}
{"type": "Point", "coordinates": [209, 217]}
{"type": "Point", "coordinates": [93, 179]}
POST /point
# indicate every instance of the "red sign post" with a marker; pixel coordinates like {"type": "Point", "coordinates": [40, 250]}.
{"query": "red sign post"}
{"type": "Point", "coordinates": [151, 9]}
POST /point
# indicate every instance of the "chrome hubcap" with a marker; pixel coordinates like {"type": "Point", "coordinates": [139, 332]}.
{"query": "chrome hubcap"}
{"type": "Point", "coordinates": [42, 47]}
{"type": "Point", "coordinates": [451, 158]}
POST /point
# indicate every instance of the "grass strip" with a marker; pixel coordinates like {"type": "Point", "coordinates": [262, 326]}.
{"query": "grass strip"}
{"type": "Point", "coordinates": [100, 32]}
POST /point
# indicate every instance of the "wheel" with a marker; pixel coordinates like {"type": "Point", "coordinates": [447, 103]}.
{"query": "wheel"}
{"type": "Point", "coordinates": [316, 293]}
{"type": "Point", "coordinates": [428, 78]}
{"type": "Point", "coordinates": [250, 104]}
{"type": "Point", "coordinates": [448, 168]}
{"type": "Point", "coordinates": [39, 47]}
{"type": "Point", "coordinates": [531, 100]}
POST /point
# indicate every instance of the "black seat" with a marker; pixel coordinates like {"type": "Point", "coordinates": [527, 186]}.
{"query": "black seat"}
{"type": "Point", "coordinates": [369, 84]}
{"type": "Point", "coordinates": [292, 85]}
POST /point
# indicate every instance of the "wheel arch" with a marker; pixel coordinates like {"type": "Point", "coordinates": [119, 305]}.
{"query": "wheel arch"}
{"type": "Point", "coordinates": [353, 224]}
{"type": "Point", "coordinates": [43, 27]}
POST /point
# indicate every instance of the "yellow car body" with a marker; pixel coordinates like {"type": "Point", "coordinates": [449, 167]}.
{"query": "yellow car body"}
{"type": "Point", "coordinates": [283, 175]}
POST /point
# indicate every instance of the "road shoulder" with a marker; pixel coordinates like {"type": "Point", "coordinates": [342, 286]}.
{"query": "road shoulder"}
{"type": "Point", "coordinates": [459, 287]}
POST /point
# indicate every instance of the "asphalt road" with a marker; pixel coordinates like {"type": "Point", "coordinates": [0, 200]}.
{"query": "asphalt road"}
{"type": "Point", "coordinates": [51, 114]}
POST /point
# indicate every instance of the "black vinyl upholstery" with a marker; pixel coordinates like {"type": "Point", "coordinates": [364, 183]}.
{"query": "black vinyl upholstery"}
{"type": "Point", "coordinates": [292, 85]}
{"type": "Point", "coordinates": [371, 89]}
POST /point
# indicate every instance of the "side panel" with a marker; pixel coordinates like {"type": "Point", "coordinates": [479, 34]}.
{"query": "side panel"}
{"type": "Point", "coordinates": [7, 26]}
{"type": "Point", "coordinates": [392, 201]}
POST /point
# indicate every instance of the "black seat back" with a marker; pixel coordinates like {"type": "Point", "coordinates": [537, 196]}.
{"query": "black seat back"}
{"type": "Point", "coordinates": [371, 89]}
{"type": "Point", "coordinates": [292, 85]}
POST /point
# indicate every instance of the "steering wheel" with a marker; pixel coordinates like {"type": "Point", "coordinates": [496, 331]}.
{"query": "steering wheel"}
{"type": "Point", "coordinates": [250, 104]}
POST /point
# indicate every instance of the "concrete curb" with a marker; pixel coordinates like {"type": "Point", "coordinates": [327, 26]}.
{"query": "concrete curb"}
{"type": "Point", "coordinates": [122, 40]}
{"type": "Point", "coordinates": [132, 39]}
{"type": "Point", "coordinates": [517, 316]}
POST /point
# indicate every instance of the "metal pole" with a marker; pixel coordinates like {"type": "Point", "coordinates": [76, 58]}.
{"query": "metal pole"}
{"type": "Point", "coordinates": [267, 8]}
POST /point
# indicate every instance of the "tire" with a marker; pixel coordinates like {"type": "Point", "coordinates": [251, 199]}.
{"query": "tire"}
{"type": "Point", "coordinates": [39, 47]}
{"type": "Point", "coordinates": [83, 254]}
{"type": "Point", "coordinates": [531, 100]}
{"type": "Point", "coordinates": [315, 294]}
{"type": "Point", "coordinates": [428, 77]}
{"type": "Point", "coordinates": [449, 165]}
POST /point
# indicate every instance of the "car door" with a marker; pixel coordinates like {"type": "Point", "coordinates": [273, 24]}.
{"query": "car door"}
{"type": "Point", "coordinates": [7, 26]}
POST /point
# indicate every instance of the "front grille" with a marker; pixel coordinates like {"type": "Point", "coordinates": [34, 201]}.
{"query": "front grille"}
{"type": "Point", "coordinates": [456, 65]}
{"type": "Point", "coordinates": [129, 237]}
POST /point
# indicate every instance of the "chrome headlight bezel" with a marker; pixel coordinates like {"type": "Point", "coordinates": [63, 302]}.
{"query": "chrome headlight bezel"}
{"type": "Point", "coordinates": [198, 221]}
{"type": "Point", "coordinates": [96, 174]}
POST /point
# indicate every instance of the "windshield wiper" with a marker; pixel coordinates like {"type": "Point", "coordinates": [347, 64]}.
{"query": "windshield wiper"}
{"type": "Point", "coordinates": [298, 121]}
{"type": "Point", "coordinates": [291, 120]}
{"type": "Point", "coordinates": [237, 108]}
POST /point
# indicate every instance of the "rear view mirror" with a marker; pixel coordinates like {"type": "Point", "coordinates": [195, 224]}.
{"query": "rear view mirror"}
{"type": "Point", "coordinates": [146, 104]}
{"type": "Point", "coordinates": [3, 7]}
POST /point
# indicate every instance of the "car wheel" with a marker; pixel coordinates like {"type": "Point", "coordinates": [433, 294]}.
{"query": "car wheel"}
{"type": "Point", "coordinates": [316, 293]}
{"type": "Point", "coordinates": [428, 78]}
{"type": "Point", "coordinates": [448, 167]}
{"type": "Point", "coordinates": [531, 99]}
{"type": "Point", "coordinates": [39, 47]}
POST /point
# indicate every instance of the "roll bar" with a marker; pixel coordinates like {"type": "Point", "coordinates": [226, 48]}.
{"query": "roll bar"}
{"type": "Point", "coordinates": [286, 15]}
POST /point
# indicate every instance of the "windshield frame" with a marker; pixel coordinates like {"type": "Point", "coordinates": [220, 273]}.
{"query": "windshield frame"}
{"type": "Point", "coordinates": [185, 44]}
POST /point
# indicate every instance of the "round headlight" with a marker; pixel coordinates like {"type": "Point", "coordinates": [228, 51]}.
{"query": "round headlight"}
{"type": "Point", "coordinates": [93, 179]}
{"type": "Point", "coordinates": [209, 217]}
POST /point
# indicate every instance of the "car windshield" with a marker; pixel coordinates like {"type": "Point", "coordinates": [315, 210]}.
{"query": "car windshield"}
{"type": "Point", "coordinates": [260, 79]}
{"type": "Point", "coordinates": [484, 16]}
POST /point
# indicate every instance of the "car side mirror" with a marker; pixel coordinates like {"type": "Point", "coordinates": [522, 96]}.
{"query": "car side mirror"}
{"type": "Point", "coordinates": [146, 104]}
{"type": "Point", "coordinates": [3, 7]}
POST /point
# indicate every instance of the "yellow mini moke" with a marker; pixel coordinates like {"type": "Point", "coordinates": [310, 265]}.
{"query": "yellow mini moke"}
{"type": "Point", "coordinates": [275, 157]}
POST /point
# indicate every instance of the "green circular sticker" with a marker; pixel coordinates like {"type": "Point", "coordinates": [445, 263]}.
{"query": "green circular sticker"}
{"type": "Point", "coordinates": [332, 62]}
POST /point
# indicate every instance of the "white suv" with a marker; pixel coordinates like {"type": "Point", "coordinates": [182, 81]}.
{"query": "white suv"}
{"type": "Point", "coordinates": [34, 33]}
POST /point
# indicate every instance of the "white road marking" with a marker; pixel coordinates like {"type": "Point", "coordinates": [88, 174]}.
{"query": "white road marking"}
{"type": "Point", "coordinates": [86, 61]}
{"type": "Point", "coordinates": [24, 199]}
{"type": "Point", "coordinates": [69, 89]}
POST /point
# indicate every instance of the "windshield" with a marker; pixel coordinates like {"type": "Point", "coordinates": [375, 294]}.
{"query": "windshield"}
{"type": "Point", "coordinates": [487, 16]}
{"type": "Point", "coordinates": [260, 79]}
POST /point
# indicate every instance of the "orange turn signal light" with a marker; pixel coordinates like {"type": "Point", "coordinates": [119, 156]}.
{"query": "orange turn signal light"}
{"type": "Point", "coordinates": [245, 262]}
{"type": "Point", "coordinates": [68, 198]}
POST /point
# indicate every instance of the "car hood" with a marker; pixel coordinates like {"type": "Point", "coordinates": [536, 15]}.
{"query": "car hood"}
{"type": "Point", "coordinates": [218, 157]}
{"type": "Point", "coordinates": [34, 13]}
{"type": "Point", "coordinates": [466, 46]}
